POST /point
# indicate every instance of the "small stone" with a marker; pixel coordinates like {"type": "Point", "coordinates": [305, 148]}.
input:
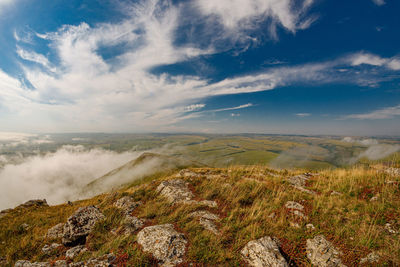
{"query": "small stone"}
{"type": "Point", "coordinates": [75, 251]}
{"type": "Point", "coordinates": [374, 198]}
{"type": "Point", "coordinates": [370, 258]}
{"type": "Point", "coordinates": [294, 205]}
{"type": "Point", "coordinates": [132, 223]}
{"type": "Point", "coordinates": [61, 263]}
{"type": "Point", "coordinates": [205, 214]}
{"type": "Point", "coordinates": [127, 204]}
{"type": "Point", "coordinates": [310, 226]}
{"type": "Point", "coordinates": [25, 226]}
{"type": "Point", "coordinates": [263, 252]}
{"type": "Point", "coordinates": [103, 261]}
{"type": "Point", "coordinates": [390, 229]}
{"type": "Point", "coordinates": [294, 225]}
{"type": "Point", "coordinates": [322, 253]}
{"type": "Point", "coordinates": [80, 224]}
{"type": "Point", "coordinates": [299, 214]}
{"type": "Point", "coordinates": [56, 231]}
{"type": "Point", "coordinates": [209, 203]}
{"type": "Point", "coordinates": [164, 242]}
{"type": "Point", "coordinates": [48, 249]}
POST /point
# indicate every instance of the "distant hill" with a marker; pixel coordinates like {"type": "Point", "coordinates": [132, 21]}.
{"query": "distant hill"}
{"type": "Point", "coordinates": [145, 165]}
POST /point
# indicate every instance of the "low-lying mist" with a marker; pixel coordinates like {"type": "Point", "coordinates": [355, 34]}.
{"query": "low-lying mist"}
{"type": "Point", "coordinates": [57, 176]}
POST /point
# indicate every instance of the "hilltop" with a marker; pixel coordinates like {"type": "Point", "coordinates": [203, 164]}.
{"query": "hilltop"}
{"type": "Point", "coordinates": [217, 217]}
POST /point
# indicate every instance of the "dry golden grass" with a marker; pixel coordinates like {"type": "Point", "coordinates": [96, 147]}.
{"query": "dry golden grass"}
{"type": "Point", "coordinates": [246, 198]}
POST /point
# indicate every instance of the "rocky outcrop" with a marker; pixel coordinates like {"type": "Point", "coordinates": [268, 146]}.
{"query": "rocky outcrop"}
{"type": "Point", "coordinates": [164, 243]}
{"type": "Point", "coordinates": [206, 219]}
{"type": "Point", "coordinates": [175, 190]}
{"type": "Point", "coordinates": [80, 224]}
{"type": "Point", "coordinates": [127, 204]}
{"type": "Point", "coordinates": [56, 231]}
{"type": "Point", "coordinates": [299, 182]}
{"type": "Point", "coordinates": [34, 202]}
{"type": "Point", "coordinates": [370, 258]}
{"type": "Point", "coordinates": [48, 249]}
{"type": "Point", "coordinates": [296, 209]}
{"type": "Point", "coordinates": [132, 224]}
{"type": "Point", "coordinates": [75, 251]}
{"type": "Point", "coordinates": [24, 263]}
{"type": "Point", "coordinates": [322, 253]}
{"type": "Point", "coordinates": [263, 252]}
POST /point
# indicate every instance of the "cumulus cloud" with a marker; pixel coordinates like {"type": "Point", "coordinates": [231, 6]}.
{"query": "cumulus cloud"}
{"type": "Point", "coordinates": [384, 113]}
{"type": "Point", "coordinates": [58, 176]}
{"type": "Point", "coordinates": [87, 92]}
{"type": "Point", "coordinates": [379, 2]}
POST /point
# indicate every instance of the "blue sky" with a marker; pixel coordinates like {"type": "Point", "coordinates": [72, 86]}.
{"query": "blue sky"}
{"type": "Point", "coordinates": [226, 66]}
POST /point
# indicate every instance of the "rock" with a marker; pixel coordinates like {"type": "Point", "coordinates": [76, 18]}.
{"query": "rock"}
{"type": "Point", "coordinates": [393, 171]}
{"type": "Point", "coordinates": [204, 214]}
{"type": "Point", "coordinates": [299, 214]}
{"type": "Point", "coordinates": [294, 205]}
{"type": "Point", "coordinates": [187, 173]}
{"type": "Point", "coordinates": [370, 258]}
{"type": "Point", "coordinates": [298, 180]}
{"type": "Point", "coordinates": [322, 253]}
{"type": "Point", "coordinates": [310, 226]}
{"type": "Point", "coordinates": [374, 198]}
{"type": "Point", "coordinates": [80, 224]}
{"type": "Point", "coordinates": [75, 251]}
{"type": "Point", "coordinates": [263, 252]}
{"type": "Point", "coordinates": [103, 261]}
{"type": "Point", "coordinates": [294, 225]}
{"type": "Point", "coordinates": [25, 226]}
{"type": "Point", "coordinates": [48, 249]}
{"type": "Point", "coordinates": [132, 223]}
{"type": "Point", "coordinates": [175, 190]}
{"type": "Point", "coordinates": [127, 204]}
{"type": "Point", "coordinates": [24, 263]}
{"type": "Point", "coordinates": [164, 242]}
{"type": "Point", "coordinates": [209, 203]}
{"type": "Point", "coordinates": [61, 263]}
{"type": "Point", "coordinates": [77, 264]}
{"type": "Point", "coordinates": [34, 202]}
{"type": "Point", "coordinates": [207, 219]}
{"type": "Point", "coordinates": [56, 231]}
{"type": "Point", "coordinates": [209, 225]}
{"type": "Point", "coordinates": [4, 212]}
{"type": "Point", "coordinates": [390, 229]}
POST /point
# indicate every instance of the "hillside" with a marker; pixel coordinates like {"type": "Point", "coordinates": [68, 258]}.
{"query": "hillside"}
{"type": "Point", "coordinates": [218, 217]}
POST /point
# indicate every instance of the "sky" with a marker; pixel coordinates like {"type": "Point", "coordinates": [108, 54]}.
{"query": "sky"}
{"type": "Point", "coordinates": [226, 66]}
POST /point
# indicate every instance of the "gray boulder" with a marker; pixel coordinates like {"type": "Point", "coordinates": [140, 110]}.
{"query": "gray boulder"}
{"type": "Point", "coordinates": [80, 224]}
{"type": "Point", "coordinates": [164, 242]}
{"type": "Point", "coordinates": [322, 253]}
{"type": "Point", "coordinates": [24, 263]}
{"type": "Point", "coordinates": [48, 249]}
{"type": "Point", "coordinates": [206, 219]}
{"type": "Point", "coordinates": [131, 224]}
{"type": "Point", "coordinates": [175, 190]}
{"type": "Point", "coordinates": [56, 231]}
{"type": "Point", "coordinates": [75, 251]}
{"type": "Point", "coordinates": [263, 252]}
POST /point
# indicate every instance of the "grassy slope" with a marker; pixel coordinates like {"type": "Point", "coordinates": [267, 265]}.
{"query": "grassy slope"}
{"type": "Point", "coordinates": [246, 197]}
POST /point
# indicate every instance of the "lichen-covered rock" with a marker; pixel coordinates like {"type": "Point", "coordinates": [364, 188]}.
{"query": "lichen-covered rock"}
{"type": "Point", "coordinates": [127, 204]}
{"type": "Point", "coordinates": [209, 203]}
{"type": "Point", "coordinates": [310, 227]}
{"type": "Point", "coordinates": [56, 231]}
{"type": "Point", "coordinates": [370, 258]}
{"type": "Point", "coordinates": [294, 205]}
{"type": "Point", "coordinates": [209, 225]}
{"type": "Point", "coordinates": [75, 251]}
{"type": "Point", "coordinates": [322, 253]}
{"type": "Point", "coordinates": [175, 190]}
{"type": "Point", "coordinates": [204, 214]}
{"type": "Point", "coordinates": [164, 242]}
{"type": "Point", "coordinates": [34, 202]}
{"type": "Point", "coordinates": [24, 263]}
{"type": "Point", "coordinates": [80, 224]}
{"type": "Point", "coordinates": [298, 180]}
{"type": "Point", "coordinates": [103, 261]}
{"type": "Point", "coordinates": [263, 252]}
{"type": "Point", "coordinates": [132, 223]}
{"type": "Point", "coordinates": [48, 249]}
{"type": "Point", "coordinates": [60, 263]}
{"type": "Point", "coordinates": [187, 173]}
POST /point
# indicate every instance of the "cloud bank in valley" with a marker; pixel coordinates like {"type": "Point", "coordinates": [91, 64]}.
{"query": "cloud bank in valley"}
{"type": "Point", "coordinates": [58, 176]}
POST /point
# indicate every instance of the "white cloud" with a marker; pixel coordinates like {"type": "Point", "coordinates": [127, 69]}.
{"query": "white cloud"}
{"type": "Point", "coordinates": [384, 113]}
{"type": "Point", "coordinates": [34, 57]}
{"type": "Point", "coordinates": [374, 60]}
{"type": "Point", "coordinates": [239, 15]}
{"type": "Point", "coordinates": [302, 115]}
{"type": "Point", "coordinates": [379, 2]}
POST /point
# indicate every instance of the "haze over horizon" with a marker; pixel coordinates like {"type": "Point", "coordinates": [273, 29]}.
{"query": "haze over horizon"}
{"type": "Point", "coordinates": [226, 66]}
